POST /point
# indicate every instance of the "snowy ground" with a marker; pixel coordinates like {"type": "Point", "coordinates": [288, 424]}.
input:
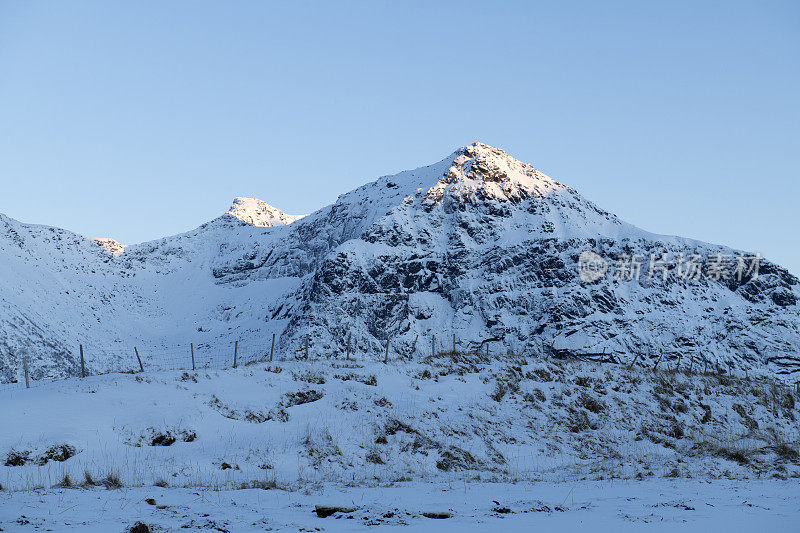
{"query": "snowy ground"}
{"type": "Point", "coordinates": [556, 443]}
{"type": "Point", "coordinates": [616, 505]}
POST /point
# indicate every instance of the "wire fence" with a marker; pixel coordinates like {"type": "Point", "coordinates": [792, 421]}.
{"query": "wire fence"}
{"type": "Point", "coordinates": [88, 360]}
{"type": "Point", "coordinates": [190, 356]}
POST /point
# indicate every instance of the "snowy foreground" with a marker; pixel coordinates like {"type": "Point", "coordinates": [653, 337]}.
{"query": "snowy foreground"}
{"type": "Point", "coordinates": [616, 505]}
{"type": "Point", "coordinates": [554, 443]}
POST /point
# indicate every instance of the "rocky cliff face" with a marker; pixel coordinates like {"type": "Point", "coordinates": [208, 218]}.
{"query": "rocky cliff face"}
{"type": "Point", "coordinates": [479, 245]}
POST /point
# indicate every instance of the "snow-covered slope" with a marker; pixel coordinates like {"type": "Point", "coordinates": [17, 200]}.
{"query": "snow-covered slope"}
{"type": "Point", "coordinates": [479, 246]}
{"type": "Point", "coordinates": [515, 443]}
{"type": "Point", "coordinates": [445, 418]}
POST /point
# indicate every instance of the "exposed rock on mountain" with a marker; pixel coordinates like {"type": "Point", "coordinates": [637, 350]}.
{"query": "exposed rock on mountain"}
{"type": "Point", "coordinates": [110, 245]}
{"type": "Point", "coordinates": [479, 245]}
{"type": "Point", "coordinates": [259, 213]}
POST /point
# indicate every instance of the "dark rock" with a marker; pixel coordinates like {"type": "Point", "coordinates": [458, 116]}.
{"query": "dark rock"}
{"type": "Point", "coordinates": [324, 511]}
{"type": "Point", "coordinates": [301, 397]}
{"type": "Point", "coordinates": [58, 453]}
{"type": "Point", "coordinates": [140, 527]}
{"type": "Point", "coordinates": [163, 440]}
{"type": "Point", "coordinates": [784, 298]}
{"type": "Point", "coordinates": [454, 458]}
{"type": "Point", "coordinates": [15, 458]}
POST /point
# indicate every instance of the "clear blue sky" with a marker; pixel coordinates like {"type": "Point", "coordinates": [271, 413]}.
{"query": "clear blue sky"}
{"type": "Point", "coordinates": [142, 119]}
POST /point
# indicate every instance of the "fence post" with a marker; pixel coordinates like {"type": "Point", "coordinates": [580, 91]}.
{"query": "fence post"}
{"type": "Point", "coordinates": [454, 343]}
{"type": "Point", "coordinates": [307, 337]}
{"type": "Point", "coordinates": [433, 345]}
{"type": "Point", "coordinates": [386, 357]}
{"type": "Point", "coordinates": [691, 363]}
{"type": "Point", "coordinates": [658, 360]}
{"type": "Point", "coordinates": [141, 367]}
{"type": "Point", "coordinates": [235, 352]}
{"type": "Point", "coordinates": [487, 349]}
{"type": "Point", "coordinates": [191, 349]}
{"type": "Point", "coordinates": [25, 366]}
{"type": "Point", "coordinates": [83, 364]}
{"type": "Point", "coordinates": [272, 348]}
{"type": "Point", "coordinates": [349, 337]}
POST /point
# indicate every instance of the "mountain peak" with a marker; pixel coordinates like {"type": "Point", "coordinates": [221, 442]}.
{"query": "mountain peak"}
{"type": "Point", "coordinates": [259, 213]}
{"type": "Point", "coordinates": [109, 245]}
{"type": "Point", "coordinates": [478, 148]}
{"type": "Point", "coordinates": [486, 172]}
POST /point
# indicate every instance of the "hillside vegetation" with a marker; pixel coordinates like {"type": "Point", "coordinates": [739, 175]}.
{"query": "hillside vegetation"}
{"type": "Point", "coordinates": [447, 417]}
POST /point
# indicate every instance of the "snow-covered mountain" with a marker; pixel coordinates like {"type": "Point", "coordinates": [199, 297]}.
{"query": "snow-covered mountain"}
{"type": "Point", "coordinates": [479, 246]}
{"type": "Point", "coordinates": [259, 213]}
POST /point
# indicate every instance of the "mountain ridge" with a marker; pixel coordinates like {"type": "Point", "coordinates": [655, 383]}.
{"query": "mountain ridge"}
{"type": "Point", "coordinates": [479, 245]}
